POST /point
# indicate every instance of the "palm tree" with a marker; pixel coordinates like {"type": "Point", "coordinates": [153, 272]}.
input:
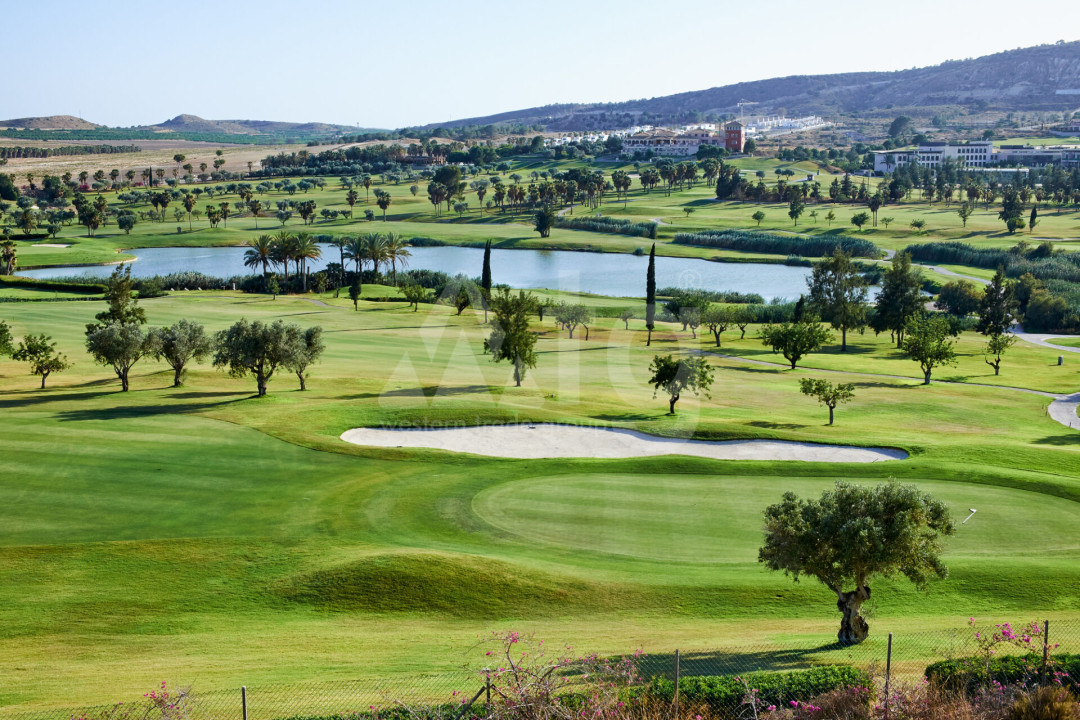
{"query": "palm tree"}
{"type": "Point", "coordinates": [397, 251]}
{"type": "Point", "coordinates": [256, 207]}
{"type": "Point", "coordinates": [340, 243]}
{"type": "Point", "coordinates": [356, 250]}
{"type": "Point", "coordinates": [306, 249]}
{"type": "Point", "coordinates": [260, 252]}
{"type": "Point", "coordinates": [9, 252]}
{"type": "Point", "coordinates": [375, 250]}
{"type": "Point", "coordinates": [284, 243]}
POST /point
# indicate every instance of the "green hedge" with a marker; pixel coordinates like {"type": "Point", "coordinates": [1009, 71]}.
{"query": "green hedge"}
{"type": "Point", "coordinates": [970, 673]}
{"type": "Point", "coordinates": [603, 224]}
{"type": "Point", "coordinates": [56, 285]}
{"type": "Point", "coordinates": [816, 246]}
{"type": "Point", "coordinates": [774, 688]}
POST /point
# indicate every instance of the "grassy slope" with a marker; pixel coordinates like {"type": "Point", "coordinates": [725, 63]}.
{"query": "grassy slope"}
{"type": "Point", "coordinates": [171, 533]}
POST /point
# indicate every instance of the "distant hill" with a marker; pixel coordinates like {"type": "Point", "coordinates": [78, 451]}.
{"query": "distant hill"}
{"type": "Point", "coordinates": [1046, 77]}
{"type": "Point", "coordinates": [49, 122]}
{"type": "Point", "coordinates": [196, 124]}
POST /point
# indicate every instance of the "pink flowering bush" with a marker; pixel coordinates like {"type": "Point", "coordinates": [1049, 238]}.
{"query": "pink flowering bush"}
{"type": "Point", "coordinates": [529, 682]}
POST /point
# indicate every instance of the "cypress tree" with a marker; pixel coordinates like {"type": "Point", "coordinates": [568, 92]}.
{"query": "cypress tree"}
{"type": "Point", "coordinates": [485, 277]}
{"type": "Point", "coordinates": [650, 294]}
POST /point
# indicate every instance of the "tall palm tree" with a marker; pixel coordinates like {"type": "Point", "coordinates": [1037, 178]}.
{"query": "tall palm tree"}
{"type": "Point", "coordinates": [339, 242]}
{"type": "Point", "coordinates": [375, 250]}
{"type": "Point", "coordinates": [260, 252]}
{"type": "Point", "coordinates": [306, 249]}
{"type": "Point", "coordinates": [356, 251]}
{"type": "Point", "coordinates": [9, 253]}
{"type": "Point", "coordinates": [284, 243]}
{"type": "Point", "coordinates": [397, 251]}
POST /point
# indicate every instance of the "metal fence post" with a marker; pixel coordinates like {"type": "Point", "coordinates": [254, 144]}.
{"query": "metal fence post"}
{"type": "Point", "coordinates": [888, 675]}
{"type": "Point", "coordinates": [1046, 651]}
{"type": "Point", "coordinates": [676, 682]}
{"type": "Point", "coordinates": [243, 700]}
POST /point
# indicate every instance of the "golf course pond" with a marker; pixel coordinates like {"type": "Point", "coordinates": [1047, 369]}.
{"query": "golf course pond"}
{"type": "Point", "coordinates": [613, 274]}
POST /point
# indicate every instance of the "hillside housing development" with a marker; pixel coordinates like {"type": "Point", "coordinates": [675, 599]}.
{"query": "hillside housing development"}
{"type": "Point", "coordinates": [978, 154]}
{"type": "Point", "coordinates": [682, 143]}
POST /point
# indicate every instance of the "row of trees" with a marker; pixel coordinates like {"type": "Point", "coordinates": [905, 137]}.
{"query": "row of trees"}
{"type": "Point", "coordinates": [119, 339]}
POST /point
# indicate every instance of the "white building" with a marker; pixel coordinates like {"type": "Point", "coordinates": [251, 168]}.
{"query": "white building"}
{"type": "Point", "coordinates": [972, 154]}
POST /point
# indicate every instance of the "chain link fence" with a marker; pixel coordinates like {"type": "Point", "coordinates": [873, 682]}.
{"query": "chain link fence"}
{"type": "Point", "coordinates": [441, 694]}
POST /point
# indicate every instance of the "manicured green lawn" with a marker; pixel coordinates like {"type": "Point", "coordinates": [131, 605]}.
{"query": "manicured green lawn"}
{"type": "Point", "coordinates": [203, 535]}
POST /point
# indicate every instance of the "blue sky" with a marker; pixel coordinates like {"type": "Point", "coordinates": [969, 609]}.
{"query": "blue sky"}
{"type": "Point", "coordinates": [393, 63]}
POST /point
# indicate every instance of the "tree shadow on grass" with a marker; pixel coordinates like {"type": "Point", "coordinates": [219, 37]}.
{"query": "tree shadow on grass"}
{"type": "Point", "coordinates": [1060, 440]}
{"type": "Point", "coordinates": [736, 661]}
{"type": "Point", "coordinates": [27, 398]}
{"type": "Point", "coordinates": [426, 391]}
{"type": "Point", "coordinates": [775, 425]}
{"type": "Point", "coordinates": [628, 417]}
{"type": "Point", "coordinates": [137, 411]}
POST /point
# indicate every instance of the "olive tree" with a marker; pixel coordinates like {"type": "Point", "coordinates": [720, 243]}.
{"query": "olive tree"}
{"type": "Point", "coordinates": [852, 534]}
{"type": "Point", "coordinates": [827, 394]}
{"type": "Point", "coordinates": [120, 345]}
{"type": "Point", "coordinates": [570, 316]}
{"type": "Point", "coordinates": [794, 340]}
{"type": "Point", "coordinates": [307, 346]}
{"type": "Point", "coordinates": [40, 352]}
{"type": "Point", "coordinates": [927, 339]}
{"type": "Point", "coordinates": [181, 343]}
{"type": "Point", "coordinates": [255, 348]}
{"type": "Point", "coordinates": [674, 376]}
{"type": "Point", "coordinates": [717, 318]}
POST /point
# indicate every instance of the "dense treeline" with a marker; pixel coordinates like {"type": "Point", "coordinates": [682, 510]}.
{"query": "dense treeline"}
{"type": "Point", "coordinates": [609, 225]}
{"type": "Point", "coordinates": [779, 244]}
{"type": "Point", "coordinates": [18, 151]}
{"type": "Point", "coordinates": [1041, 261]}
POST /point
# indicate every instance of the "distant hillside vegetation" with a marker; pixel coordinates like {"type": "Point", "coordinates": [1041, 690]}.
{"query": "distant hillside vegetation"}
{"type": "Point", "coordinates": [1045, 78]}
{"type": "Point", "coordinates": [195, 124]}
{"type": "Point", "coordinates": [49, 122]}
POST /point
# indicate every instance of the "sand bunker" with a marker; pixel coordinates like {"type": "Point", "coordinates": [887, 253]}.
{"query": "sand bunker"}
{"type": "Point", "coordinates": [52, 245]}
{"type": "Point", "coordinates": [573, 441]}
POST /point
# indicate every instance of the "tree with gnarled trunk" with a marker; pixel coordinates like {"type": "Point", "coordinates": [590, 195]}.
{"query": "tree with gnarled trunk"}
{"type": "Point", "coordinates": [179, 344]}
{"type": "Point", "coordinates": [852, 534]}
{"type": "Point", "coordinates": [255, 348]}
{"type": "Point", "coordinates": [307, 346]}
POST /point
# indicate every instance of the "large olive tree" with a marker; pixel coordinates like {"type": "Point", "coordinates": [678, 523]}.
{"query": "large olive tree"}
{"type": "Point", "coordinates": [853, 533]}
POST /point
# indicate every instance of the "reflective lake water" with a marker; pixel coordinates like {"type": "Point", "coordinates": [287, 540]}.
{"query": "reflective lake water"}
{"type": "Point", "coordinates": [615, 274]}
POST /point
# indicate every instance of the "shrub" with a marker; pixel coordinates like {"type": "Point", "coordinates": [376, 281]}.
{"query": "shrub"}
{"type": "Point", "coordinates": [773, 688]}
{"type": "Point", "coordinates": [426, 242]}
{"type": "Point", "coordinates": [971, 673]}
{"type": "Point", "coordinates": [720, 296]}
{"type": "Point", "coordinates": [779, 244]}
{"type": "Point", "coordinates": [1046, 703]}
{"type": "Point", "coordinates": [603, 224]}
{"type": "Point", "coordinates": [72, 284]}
{"type": "Point", "coordinates": [1041, 263]}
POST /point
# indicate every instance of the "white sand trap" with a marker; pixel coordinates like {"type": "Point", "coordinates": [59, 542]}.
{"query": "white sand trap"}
{"type": "Point", "coordinates": [574, 441]}
{"type": "Point", "coordinates": [54, 245]}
